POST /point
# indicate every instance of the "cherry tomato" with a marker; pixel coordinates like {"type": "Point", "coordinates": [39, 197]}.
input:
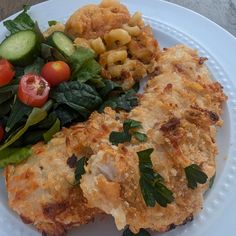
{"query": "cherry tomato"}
{"type": "Point", "coordinates": [1, 132]}
{"type": "Point", "coordinates": [33, 90]}
{"type": "Point", "coordinates": [56, 72]}
{"type": "Point", "coordinates": [6, 72]}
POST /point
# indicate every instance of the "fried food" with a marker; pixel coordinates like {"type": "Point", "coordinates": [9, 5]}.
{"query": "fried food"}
{"type": "Point", "coordinates": [179, 110]}
{"type": "Point", "coordinates": [93, 21]}
{"type": "Point", "coordinates": [42, 191]}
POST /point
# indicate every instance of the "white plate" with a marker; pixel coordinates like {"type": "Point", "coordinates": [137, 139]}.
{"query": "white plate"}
{"type": "Point", "coordinates": [172, 24]}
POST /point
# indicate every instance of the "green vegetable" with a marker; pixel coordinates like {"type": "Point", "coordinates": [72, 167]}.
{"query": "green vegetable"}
{"type": "Point", "coordinates": [54, 129]}
{"type": "Point", "coordinates": [195, 175]}
{"type": "Point", "coordinates": [151, 183]}
{"type": "Point", "coordinates": [20, 48]}
{"type": "Point", "coordinates": [50, 53]}
{"type": "Point", "coordinates": [12, 87]}
{"type": "Point", "coordinates": [142, 232]}
{"type": "Point", "coordinates": [13, 155]}
{"type": "Point", "coordinates": [82, 98]}
{"type": "Point", "coordinates": [37, 115]}
{"type": "Point", "coordinates": [140, 136]}
{"type": "Point", "coordinates": [52, 22]}
{"type": "Point", "coordinates": [108, 87]}
{"type": "Point", "coordinates": [4, 97]}
{"type": "Point", "coordinates": [211, 181]}
{"type": "Point", "coordinates": [126, 101]}
{"type": "Point", "coordinates": [80, 170]}
{"type": "Point", "coordinates": [62, 43]}
{"type": "Point", "coordinates": [20, 23]}
{"type": "Point", "coordinates": [35, 67]}
{"type": "Point", "coordinates": [18, 112]}
{"type": "Point", "coordinates": [125, 136]}
{"type": "Point", "coordinates": [5, 107]}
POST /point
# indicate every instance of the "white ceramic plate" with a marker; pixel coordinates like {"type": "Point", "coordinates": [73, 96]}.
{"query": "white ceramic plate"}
{"type": "Point", "coordinates": [172, 25]}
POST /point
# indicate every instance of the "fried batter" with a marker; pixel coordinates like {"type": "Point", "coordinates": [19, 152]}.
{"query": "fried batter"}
{"type": "Point", "coordinates": [93, 21]}
{"type": "Point", "coordinates": [180, 110]}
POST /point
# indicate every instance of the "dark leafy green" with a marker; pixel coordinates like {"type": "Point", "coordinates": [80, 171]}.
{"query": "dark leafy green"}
{"type": "Point", "coordinates": [13, 155]}
{"type": "Point", "coordinates": [12, 87]}
{"type": "Point", "coordinates": [53, 130]}
{"type": "Point", "coordinates": [35, 67]}
{"type": "Point", "coordinates": [80, 170]}
{"type": "Point", "coordinates": [119, 137]}
{"type": "Point", "coordinates": [140, 136]}
{"type": "Point", "coordinates": [50, 53]}
{"type": "Point", "coordinates": [18, 112]}
{"type": "Point", "coordinates": [108, 87]}
{"type": "Point", "coordinates": [80, 97]}
{"type": "Point", "coordinates": [195, 176]}
{"type": "Point", "coordinates": [151, 183]}
{"type": "Point", "coordinates": [142, 232]}
{"type": "Point", "coordinates": [22, 22]}
{"type": "Point", "coordinates": [126, 101]}
{"type": "Point", "coordinates": [5, 108]}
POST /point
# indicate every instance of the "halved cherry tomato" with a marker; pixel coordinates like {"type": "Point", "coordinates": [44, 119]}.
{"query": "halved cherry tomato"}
{"type": "Point", "coordinates": [33, 90]}
{"type": "Point", "coordinates": [56, 72]}
{"type": "Point", "coordinates": [6, 72]}
{"type": "Point", "coordinates": [1, 132]}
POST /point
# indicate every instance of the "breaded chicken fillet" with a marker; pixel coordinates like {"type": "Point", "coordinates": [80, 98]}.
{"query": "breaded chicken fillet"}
{"type": "Point", "coordinates": [179, 111]}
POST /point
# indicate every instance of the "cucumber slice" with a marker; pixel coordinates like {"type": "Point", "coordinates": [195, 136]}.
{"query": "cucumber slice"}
{"type": "Point", "coordinates": [62, 43]}
{"type": "Point", "coordinates": [20, 48]}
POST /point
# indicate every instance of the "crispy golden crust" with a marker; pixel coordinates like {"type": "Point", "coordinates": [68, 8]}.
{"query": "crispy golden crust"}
{"type": "Point", "coordinates": [93, 21]}
{"type": "Point", "coordinates": [180, 110]}
{"type": "Point", "coordinates": [41, 190]}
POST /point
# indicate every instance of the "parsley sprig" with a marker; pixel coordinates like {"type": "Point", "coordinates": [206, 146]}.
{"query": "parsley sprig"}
{"type": "Point", "coordinates": [127, 133]}
{"type": "Point", "coordinates": [80, 170]}
{"type": "Point", "coordinates": [195, 176]}
{"type": "Point", "coordinates": [151, 183]}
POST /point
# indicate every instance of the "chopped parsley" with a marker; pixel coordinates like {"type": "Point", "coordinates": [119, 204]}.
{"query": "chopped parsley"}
{"type": "Point", "coordinates": [151, 183]}
{"type": "Point", "coordinates": [142, 232]}
{"type": "Point", "coordinates": [80, 170]}
{"type": "Point", "coordinates": [195, 176]}
{"type": "Point", "coordinates": [127, 133]}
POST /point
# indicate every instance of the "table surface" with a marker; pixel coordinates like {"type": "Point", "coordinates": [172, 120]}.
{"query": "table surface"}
{"type": "Point", "coordinates": [223, 12]}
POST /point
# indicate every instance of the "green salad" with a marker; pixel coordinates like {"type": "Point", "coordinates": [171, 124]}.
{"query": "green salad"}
{"type": "Point", "coordinates": [45, 84]}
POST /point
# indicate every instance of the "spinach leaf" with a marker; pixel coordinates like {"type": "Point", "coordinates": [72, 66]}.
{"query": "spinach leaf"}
{"type": "Point", "coordinates": [22, 22]}
{"type": "Point", "coordinates": [151, 183]}
{"type": "Point", "coordinates": [195, 175]}
{"type": "Point", "coordinates": [5, 96]}
{"type": "Point", "coordinates": [54, 129]}
{"type": "Point", "coordinates": [37, 115]}
{"type": "Point", "coordinates": [140, 136]}
{"type": "Point", "coordinates": [18, 111]}
{"type": "Point", "coordinates": [119, 137]}
{"type": "Point", "coordinates": [108, 87]}
{"type": "Point", "coordinates": [50, 53]}
{"type": "Point", "coordinates": [80, 170]}
{"type": "Point", "coordinates": [10, 88]}
{"type": "Point", "coordinates": [35, 67]}
{"type": "Point", "coordinates": [126, 101]}
{"type": "Point", "coordinates": [142, 232]}
{"type": "Point", "coordinates": [80, 97]}
{"type": "Point", "coordinates": [6, 107]}
{"type": "Point", "coordinates": [13, 155]}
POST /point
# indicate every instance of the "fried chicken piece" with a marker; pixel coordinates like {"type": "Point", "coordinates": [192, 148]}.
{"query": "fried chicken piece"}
{"type": "Point", "coordinates": [93, 21]}
{"type": "Point", "coordinates": [41, 189]}
{"type": "Point", "coordinates": [180, 110]}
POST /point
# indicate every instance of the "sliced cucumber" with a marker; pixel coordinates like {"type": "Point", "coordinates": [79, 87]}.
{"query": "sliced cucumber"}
{"type": "Point", "coordinates": [62, 43]}
{"type": "Point", "coordinates": [20, 48]}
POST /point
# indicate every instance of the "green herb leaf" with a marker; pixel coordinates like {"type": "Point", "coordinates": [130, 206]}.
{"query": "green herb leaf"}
{"type": "Point", "coordinates": [108, 87]}
{"type": "Point", "coordinates": [151, 183]}
{"type": "Point", "coordinates": [212, 180]}
{"type": "Point", "coordinates": [35, 68]}
{"type": "Point", "coordinates": [37, 115]}
{"type": "Point", "coordinates": [195, 175]}
{"type": "Point", "coordinates": [52, 22]}
{"type": "Point", "coordinates": [131, 124]}
{"type": "Point", "coordinates": [142, 232]}
{"type": "Point", "coordinates": [119, 137]}
{"type": "Point", "coordinates": [13, 156]}
{"type": "Point", "coordinates": [53, 130]}
{"type": "Point", "coordinates": [140, 136]}
{"type": "Point", "coordinates": [80, 97]}
{"type": "Point", "coordinates": [80, 170]}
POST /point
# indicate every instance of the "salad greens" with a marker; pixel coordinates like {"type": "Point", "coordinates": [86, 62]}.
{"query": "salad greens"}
{"type": "Point", "coordinates": [68, 102]}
